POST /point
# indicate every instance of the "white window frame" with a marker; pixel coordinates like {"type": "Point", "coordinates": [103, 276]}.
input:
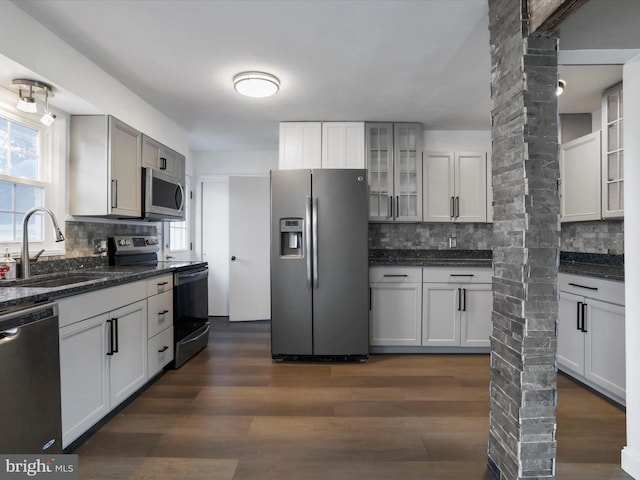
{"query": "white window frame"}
{"type": "Point", "coordinates": [52, 145]}
{"type": "Point", "coordinates": [188, 212]}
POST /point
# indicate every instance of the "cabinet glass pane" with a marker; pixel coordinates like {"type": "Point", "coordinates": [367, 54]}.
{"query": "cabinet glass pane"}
{"type": "Point", "coordinates": [612, 137]}
{"type": "Point", "coordinates": [613, 196]}
{"type": "Point", "coordinates": [621, 134]}
{"type": "Point", "coordinates": [621, 195]}
{"type": "Point", "coordinates": [612, 166]}
{"type": "Point", "coordinates": [620, 104]}
{"type": "Point", "coordinates": [612, 107]}
{"type": "Point", "coordinates": [621, 163]}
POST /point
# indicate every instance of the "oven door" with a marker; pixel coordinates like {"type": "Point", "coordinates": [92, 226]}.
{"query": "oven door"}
{"type": "Point", "coordinates": [190, 313]}
{"type": "Point", "coordinates": [163, 196]}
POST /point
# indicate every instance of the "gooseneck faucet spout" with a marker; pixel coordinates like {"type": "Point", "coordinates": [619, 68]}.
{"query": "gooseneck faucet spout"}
{"type": "Point", "coordinates": [26, 267]}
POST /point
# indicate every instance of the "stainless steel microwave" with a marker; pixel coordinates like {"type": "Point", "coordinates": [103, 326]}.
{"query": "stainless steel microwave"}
{"type": "Point", "coordinates": [163, 195]}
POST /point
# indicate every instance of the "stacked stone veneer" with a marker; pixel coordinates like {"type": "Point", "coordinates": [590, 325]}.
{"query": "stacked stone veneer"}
{"type": "Point", "coordinates": [526, 244]}
{"type": "Point", "coordinates": [430, 236]}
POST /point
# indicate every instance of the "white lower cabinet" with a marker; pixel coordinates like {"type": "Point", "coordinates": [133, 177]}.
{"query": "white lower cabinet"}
{"type": "Point", "coordinates": [591, 333]}
{"type": "Point", "coordinates": [160, 349]}
{"type": "Point", "coordinates": [457, 307]}
{"type": "Point", "coordinates": [395, 306]}
{"type": "Point", "coordinates": [430, 307]}
{"type": "Point", "coordinates": [103, 353]}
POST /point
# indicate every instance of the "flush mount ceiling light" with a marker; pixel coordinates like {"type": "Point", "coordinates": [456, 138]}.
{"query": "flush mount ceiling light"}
{"type": "Point", "coordinates": [560, 87]}
{"type": "Point", "coordinates": [256, 84]}
{"type": "Point", "coordinates": [27, 91]}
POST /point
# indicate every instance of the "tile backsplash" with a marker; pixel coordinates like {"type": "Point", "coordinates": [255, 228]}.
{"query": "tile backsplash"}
{"type": "Point", "coordinates": [586, 237]}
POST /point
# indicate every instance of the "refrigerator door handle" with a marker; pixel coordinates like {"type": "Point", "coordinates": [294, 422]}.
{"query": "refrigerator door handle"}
{"type": "Point", "coordinates": [314, 236]}
{"type": "Point", "coordinates": [307, 238]}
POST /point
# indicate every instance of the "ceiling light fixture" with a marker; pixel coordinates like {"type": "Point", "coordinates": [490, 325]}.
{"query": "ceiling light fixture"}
{"type": "Point", "coordinates": [48, 118]}
{"type": "Point", "coordinates": [560, 87]}
{"type": "Point", "coordinates": [27, 90]}
{"type": "Point", "coordinates": [256, 84]}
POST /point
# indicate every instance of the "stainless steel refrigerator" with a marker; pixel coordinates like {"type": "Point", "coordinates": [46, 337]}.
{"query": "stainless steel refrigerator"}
{"type": "Point", "coordinates": [319, 263]}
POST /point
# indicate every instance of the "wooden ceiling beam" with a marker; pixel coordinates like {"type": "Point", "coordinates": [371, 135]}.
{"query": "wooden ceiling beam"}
{"type": "Point", "coordinates": [546, 15]}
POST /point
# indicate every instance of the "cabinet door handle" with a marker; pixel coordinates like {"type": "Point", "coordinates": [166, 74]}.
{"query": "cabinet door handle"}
{"type": "Point", "coordinates": [163, 349]}
{"type": "Point", "coordinates": [583, 286]}
{"type": "Point", "coordinates": [110, 349]}
{"type": "Point", "coordinates": [114, 193]}
{"type": "Point", "coordinates": [464, 299]}
{"type": "Point", "coordinates": [452, 208]}
{"type": "Point", "coordinates": [578, 313]}
{"type": "Point", "coordinates": [397, 206]}
{"type": "Point", "coordinates": [459, 299]}
{"type": "Point", "coordinates": [163, 163]}
{"type": "Point", "coordinates": [584, 318]}
{"type": "Point", "coordinates": [457, 209]}
{"type": "Point", "coordinates": [369, 298]}
{"type": "Point", "coordinates": [163, 312]}
{"type": "Point", "coordinates": [115, 323]}
{"type": "Point", "coordinates": [390, 207]}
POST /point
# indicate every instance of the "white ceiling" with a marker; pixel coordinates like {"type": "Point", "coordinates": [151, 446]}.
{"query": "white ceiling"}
{"type": "Point", "coordinates": [404, 60]}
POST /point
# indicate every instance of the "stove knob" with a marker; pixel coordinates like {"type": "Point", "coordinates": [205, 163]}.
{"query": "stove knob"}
{"type": "Point", "coordinates": [123, 242]}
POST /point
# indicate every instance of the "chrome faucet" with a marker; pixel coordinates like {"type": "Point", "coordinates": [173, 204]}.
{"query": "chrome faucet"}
{"type": "Point", "coordinates": [26, 267]}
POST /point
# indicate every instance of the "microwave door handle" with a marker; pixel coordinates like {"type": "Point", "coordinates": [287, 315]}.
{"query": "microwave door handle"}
{"type": "Point", "coordinates": [181, 196]}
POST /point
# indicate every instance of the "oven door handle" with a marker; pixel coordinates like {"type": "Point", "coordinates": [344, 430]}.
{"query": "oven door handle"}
{"type": "Point", "coordinates": [198, 337]}
{"type": "Point", "coordinates": [188, 277]}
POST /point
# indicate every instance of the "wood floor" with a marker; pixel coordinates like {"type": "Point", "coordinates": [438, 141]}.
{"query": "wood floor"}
{"type": "Point", "coordinates": [231, 413]}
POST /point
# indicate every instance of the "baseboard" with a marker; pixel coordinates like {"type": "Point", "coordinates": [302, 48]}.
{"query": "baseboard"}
{"type": "Point", "coordinates": [631, 462]}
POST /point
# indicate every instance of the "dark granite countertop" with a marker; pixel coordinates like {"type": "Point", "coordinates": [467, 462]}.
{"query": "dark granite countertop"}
{"type": "Point", "coordinates": [12, 293]}
{"type": "Point", "coordinates": [610, 267]}
{"type": "Point", "coordinates": [431, 258]}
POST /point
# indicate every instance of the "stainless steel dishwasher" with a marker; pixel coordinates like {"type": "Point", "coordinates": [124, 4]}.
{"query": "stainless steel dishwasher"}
{"type": "Point", "coordinates": [30, 380]}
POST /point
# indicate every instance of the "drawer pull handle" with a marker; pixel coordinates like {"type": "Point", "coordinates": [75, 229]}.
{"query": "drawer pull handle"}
{"type": "Point", "coordinates": [161, 284]}
{"type": "Point", "coordinates": [461, 275]}
{"type": "Point", "coordinates": [583, 286]}
{"type": "Point", "coordinates": [395, 276]}
{"type": "Point", "coordinates": [163, 349]}
{"type": "Point", "coordinates": [163, 312]}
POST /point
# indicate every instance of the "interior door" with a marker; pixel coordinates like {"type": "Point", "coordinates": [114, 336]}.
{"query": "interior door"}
{"type": "Point", "coordinates": [215, 243]}
{"type": "Point", "coordinates": [249, 283]}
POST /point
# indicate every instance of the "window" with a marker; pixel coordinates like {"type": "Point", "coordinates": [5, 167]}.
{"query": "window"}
{"type": "Point", "coordinates": [20, 185]}
{"type": "Point", "coordinates": [179, 238]}
{"type": "Point", "coordinates": [31, 175]}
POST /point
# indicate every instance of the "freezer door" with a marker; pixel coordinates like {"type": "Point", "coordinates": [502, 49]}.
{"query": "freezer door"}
{"type": "Point", "coordinates": [340, 295]}
{"type": "Point", "coordinates": [291, 320]}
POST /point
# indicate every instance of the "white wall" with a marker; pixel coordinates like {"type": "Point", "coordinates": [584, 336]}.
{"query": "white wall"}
{"type": "Point", "coordinates": [631, 78]}
{"type": "Point", "coordinates": [457, 140]}
{"type": "Point", "coordinates": [26, 42]}
{"type": "Point", "coordinates": [234, 163]}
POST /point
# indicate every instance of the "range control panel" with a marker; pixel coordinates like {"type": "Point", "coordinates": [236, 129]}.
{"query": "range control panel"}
{"type": "Point", "coordinates": [129, 245]}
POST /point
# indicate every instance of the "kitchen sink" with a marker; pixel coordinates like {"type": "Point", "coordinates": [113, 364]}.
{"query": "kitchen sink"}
{"type": "Point", "coordinates": [61, 280]}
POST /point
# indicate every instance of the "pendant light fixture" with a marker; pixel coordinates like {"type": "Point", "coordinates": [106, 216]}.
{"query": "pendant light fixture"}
{"type": "Point", "coordinates": [560, 87]}
{"type": "Point", "coordinates": [27, 92]}
{"type": "Point", "coordinates": [256, 84]}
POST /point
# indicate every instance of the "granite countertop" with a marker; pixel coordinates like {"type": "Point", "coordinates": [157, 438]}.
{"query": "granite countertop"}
{"type": "Point", "coordinates": [609, 267]}
{"type": "Point", "coordinates": [12, 293]}
{"type": "Point", "coordinates": [431, 258]}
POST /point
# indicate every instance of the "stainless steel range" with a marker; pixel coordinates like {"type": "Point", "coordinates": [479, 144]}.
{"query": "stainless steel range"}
{"type": "Point", "coordinates": [190, 290]}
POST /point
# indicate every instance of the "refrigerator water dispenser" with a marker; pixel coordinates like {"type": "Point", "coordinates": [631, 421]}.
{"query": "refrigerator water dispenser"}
{"type": "Point", "coordinates": [291, 237]}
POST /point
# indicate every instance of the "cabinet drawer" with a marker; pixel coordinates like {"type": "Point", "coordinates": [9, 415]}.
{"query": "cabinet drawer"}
{"type": "Point", "coordinates": [159, 313]}
{"type": "Point", "coordinates": [457, 275]}
{"type": "Point", "coordinates": [158, 285]}
{"type": "Point", "coordinates": [395, 275]}
{"type": "Point", "coordinates": [159, 351]}
{"type": "Point", "coordinates": [597, 288]}
{"type": "Point", "coordinates": [86, 305]}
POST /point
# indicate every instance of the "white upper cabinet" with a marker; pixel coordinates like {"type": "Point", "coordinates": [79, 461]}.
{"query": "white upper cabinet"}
{"type": "Point", "coordinates": [104, 167]}
{"type": "Point", "coordinates": [343, 145]}
{"type": "Point", "coordinates": [300, 145]}
{"type": "Point", "coordinates": [155, 155]}
{"type": "Point", "coordinates": [394, 163]}
{"type": "Point", "coordinates": [580, 179]}
{"type": "Point", "coordinates": [321, 145]}
{"type": "Point", "coordinates": [612, 153]}
{"type": "Point", "coordinates": [455, 187]}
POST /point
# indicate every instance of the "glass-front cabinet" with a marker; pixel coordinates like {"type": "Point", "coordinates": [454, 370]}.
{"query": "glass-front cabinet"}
{"type": "Point", "coordinates": [613, 154]}
{"type": "Point", "coordinates": [394, 162]}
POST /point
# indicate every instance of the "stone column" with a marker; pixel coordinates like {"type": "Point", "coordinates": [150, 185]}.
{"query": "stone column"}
{"type": "Point", "coordinates": [526, 231]}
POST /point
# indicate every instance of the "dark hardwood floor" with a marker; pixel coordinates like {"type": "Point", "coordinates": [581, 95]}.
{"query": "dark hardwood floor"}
{"type": "Point", "coordinates": [232, 413]}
